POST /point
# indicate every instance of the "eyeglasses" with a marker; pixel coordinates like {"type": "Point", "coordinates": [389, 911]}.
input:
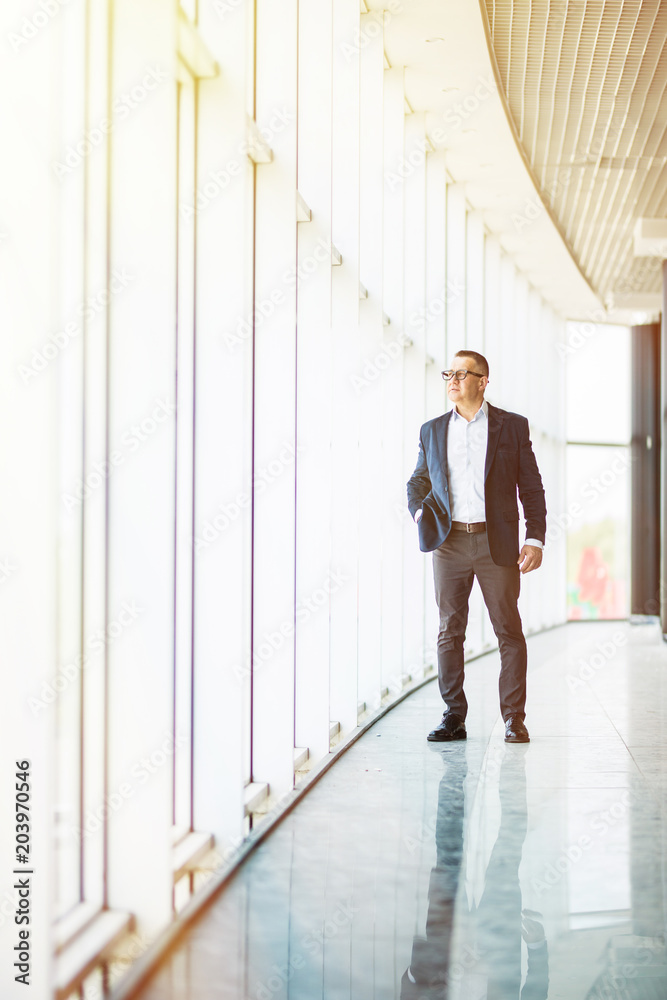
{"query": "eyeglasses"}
{"type": "Point", "coordinates": [460, 375]}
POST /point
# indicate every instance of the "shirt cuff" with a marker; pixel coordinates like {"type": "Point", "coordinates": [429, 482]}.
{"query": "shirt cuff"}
{"type": "Point", "coordinates": [534, 541]}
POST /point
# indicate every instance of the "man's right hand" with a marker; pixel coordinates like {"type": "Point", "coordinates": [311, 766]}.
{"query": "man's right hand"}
{"type": "Point", "coordinates": [418, 514]}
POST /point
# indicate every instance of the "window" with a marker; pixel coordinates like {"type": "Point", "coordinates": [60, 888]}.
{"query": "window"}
{"type": "Point", "coordinates": [598, 471]}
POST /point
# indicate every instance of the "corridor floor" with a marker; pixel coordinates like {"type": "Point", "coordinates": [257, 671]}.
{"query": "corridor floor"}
{"type": "Point", "coordinates": [467, 871]}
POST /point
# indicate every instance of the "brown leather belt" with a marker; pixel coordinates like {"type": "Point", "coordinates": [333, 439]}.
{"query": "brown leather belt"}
{"type": "Point", "coordinates": [472, 529]}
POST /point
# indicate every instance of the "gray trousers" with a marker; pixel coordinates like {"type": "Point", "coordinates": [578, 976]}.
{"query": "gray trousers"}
{"type": "Point", "coordinates": [456, 563]}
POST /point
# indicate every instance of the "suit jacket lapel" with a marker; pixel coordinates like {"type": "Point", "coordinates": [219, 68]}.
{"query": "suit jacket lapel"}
{"type": "Point", "coordinates": [495, 423]}
{"type": "Point", "coordinates": [441, 444]}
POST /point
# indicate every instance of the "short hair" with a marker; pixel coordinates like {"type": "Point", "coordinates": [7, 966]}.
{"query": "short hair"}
{"type": "Point", "coordinates": [479, 360]}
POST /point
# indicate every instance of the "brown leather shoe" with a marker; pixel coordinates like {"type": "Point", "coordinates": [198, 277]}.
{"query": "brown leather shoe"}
{"type": "Point", "coordinates": [452, 727]}
{"type": "Point", "coordinates": [515, 730]}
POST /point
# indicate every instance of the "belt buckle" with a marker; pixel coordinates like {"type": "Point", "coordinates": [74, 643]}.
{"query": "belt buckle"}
{"type": "Point", "coordinates": [469, 529]}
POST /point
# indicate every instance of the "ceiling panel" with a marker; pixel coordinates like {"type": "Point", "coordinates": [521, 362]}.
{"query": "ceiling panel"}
{"type": "Point", "coordinates": [584, 83]}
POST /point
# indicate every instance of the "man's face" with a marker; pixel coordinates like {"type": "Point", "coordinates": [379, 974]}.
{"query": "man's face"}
{"type": "Point", "coordinates": [471, 390]}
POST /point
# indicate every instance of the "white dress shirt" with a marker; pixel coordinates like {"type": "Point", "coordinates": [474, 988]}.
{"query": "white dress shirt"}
{"type": "Point", "coordinates": [466, 455]}
{"type": "Point", "coordinates": [466, 458]}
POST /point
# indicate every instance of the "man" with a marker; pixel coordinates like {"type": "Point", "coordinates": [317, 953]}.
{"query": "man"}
{"type": "Point", "coordinates": [463, 496]}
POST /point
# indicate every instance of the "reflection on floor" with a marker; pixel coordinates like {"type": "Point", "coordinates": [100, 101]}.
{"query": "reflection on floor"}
{"type": "Point", "coordinates": [470, 871]}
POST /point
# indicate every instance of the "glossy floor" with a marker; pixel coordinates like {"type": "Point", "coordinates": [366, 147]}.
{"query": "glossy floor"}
{"type": "Point", "coordinates": [468, 871]}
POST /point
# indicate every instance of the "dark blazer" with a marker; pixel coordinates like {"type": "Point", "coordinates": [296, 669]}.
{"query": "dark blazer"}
{"type": "Point", "coordinates": [510, 464]}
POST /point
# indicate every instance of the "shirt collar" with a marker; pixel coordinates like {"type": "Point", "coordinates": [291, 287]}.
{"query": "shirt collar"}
{"type": "Point", "coordinates": [484, 408]}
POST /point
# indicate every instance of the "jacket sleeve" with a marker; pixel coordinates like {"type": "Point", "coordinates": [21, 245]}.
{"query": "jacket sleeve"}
{"type": "Point", "coordinates": [531, 491]}
{"type": "Point", "coordinates": [419, 483]}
